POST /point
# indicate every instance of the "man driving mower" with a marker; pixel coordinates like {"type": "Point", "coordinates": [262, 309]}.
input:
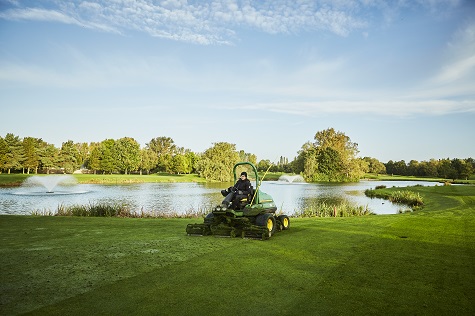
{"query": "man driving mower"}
{"type": "Point", "coordinates": [241, 190]}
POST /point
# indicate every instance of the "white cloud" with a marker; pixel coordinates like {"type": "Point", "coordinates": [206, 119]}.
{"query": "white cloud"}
{"type": "Point", "coordinates": [321, 85]}
{"type": "Point", "coordinates": [207, 22]}
{"type": "Point", "coordinates": [216, 21]}
{"type": "Point", "coordinates": [35, 14]}
{"type": "Point", "coordinates": [401, 107]}
{"type": "Point", "coordinates": [455, 78]}
{"type": "Point", "coordinates": [457, 70]}
{"type": "Point", "coordinates": [460, 64]}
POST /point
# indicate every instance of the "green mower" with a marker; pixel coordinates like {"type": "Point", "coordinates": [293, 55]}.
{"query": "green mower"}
{"type": "Point", "coordinates": [251, 217]}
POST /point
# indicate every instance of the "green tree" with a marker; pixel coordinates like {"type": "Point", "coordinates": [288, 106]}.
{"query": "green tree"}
{"type": "Point", "coordinates": [3, 153]}
{"type": "Point", "coordinates": [399, 168]}
{"type": "Point", "coordinates": [374, 165]}
{"type": "Point", "coordinates": [217, 162]}
{"type": "Point", "coordinates": [350, 168]}
{"type": "Point", "coordinates": [68, 157]}
{"type": "Point", "coordinates": [329, 164]}
{"type": "Point", "coordinates": [32, 159]}
{"type": "Point", "coordinates": [181, 164]}
{"type": "Point", "coordinates": [15, 153]}
{"type": "Point", "coordinates": [463, 169]}
{"type": "Point", "coordinates": [332, 157]}
{"type": "Point", "coordinates": [428, 168]}
{"type": "Point", "coordinates": [109, 157]}
{"type": "Point", "coordinates": [83, 151]}
{"type": "Point", "coordinates": [128, 154]}
{"type": "Point", "coordinates": [94, 160]}
{"type": "Point", "coordinates": [193, 160]}
{"type": "Point", "coordinates": [165, 148]}
{"type": "Point", "coordinates": [48, 155]}
{"type": "Point", "coordinates": [148, 160]}
{"type": "Point", "coordinates": [263, 165]}
{"type": "Point", "coordinates": [446, 170]}
{"type": "Point", "coordinates": [413, 168]}
{"type": "Point", "coordinates": [243, 156]}
{"type": "Point", "coordinates": [309, 162]}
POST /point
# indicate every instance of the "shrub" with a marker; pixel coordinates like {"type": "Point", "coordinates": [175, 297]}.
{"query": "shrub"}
{"type": "Point", "coordinates": [406, 197]}
{"type": "Point", "coordinates": [94, 210]}
{"type": "Point", "coordinates": [343, 209]}
{"type": "Point", "coordinates": [119, 210]}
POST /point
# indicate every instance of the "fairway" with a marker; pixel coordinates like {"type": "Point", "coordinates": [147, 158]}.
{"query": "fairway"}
{"type": "Point", "coordinates": [407, 264]}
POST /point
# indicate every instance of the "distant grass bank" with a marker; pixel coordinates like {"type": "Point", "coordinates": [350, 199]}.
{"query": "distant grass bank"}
{"type": "Point", "coordinates": [420, 263]}
{"type": "Point", "coordinates": [17, 179]}
{"type": "Point", "coordinates": [388, 177]}
{"type": "Point", "coordinates": [8, 180]}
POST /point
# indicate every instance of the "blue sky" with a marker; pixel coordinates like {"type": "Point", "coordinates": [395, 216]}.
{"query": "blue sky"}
{"type": "Point", "coordinates": [397, 77]}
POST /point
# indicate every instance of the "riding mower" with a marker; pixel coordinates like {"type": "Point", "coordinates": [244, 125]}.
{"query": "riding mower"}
{"type": "Point", "coordinates": [251, 217]}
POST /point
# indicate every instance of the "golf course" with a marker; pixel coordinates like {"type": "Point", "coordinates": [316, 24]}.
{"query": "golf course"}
{"type": "Point", "coordinates": [419, 263]}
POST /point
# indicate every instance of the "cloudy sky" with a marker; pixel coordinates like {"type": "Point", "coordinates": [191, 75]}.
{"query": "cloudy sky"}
{"type": "Point", "coordinates": [396, 76]}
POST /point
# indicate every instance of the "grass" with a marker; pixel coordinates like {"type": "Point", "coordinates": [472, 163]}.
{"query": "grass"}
{"type": "Point", "coordinates": [7, 180]}
{"type": "Point", "coordinates": [135, 178]}
{"type": "Point", "coordinates": [388, 177]}
{"type": "Point", "coordinates": [343, 209]}
{"type": "Point", "coordinates": [17, 179]}
{"type": "Point", "coordinates": [418, 263]}
{"type": "Point", "coordinates": [104, 209]}
{"type": "Point", "coordinates": [11, 180]}
{"type": "Point", "coordinates": [402, 196]}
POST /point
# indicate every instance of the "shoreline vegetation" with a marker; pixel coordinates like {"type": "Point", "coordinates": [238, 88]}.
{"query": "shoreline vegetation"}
{"type": "Point", "coordinates": [343, 209]}
{"type": "Point", "coordinates": [419, 263]}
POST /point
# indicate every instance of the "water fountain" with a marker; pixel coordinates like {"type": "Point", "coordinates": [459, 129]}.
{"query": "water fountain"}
{"type": "Point", "coordinates": [292, 178]}
{"type": "Point", "coordinates": [40, 185]}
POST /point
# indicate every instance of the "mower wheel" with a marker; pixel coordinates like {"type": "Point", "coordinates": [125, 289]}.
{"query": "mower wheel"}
{"type": "Point", "coordinates": [267, 220]}
{"type": "Point", "coordinates": [285, 222]}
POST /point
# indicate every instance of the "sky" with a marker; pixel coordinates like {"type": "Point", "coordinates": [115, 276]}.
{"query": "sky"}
{"type": "Point", "coordinates": [397, 77]}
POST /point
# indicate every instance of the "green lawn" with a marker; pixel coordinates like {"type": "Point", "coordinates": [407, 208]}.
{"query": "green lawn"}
{"type": "Point", "coordinates": [135, 178]}
{"type": "Point", "coordinates": [422, 263]}
{"type": "Point", "coordinates": [388, 177]}
{"type": "Point", "coordinates": [17, 179]}
{"type": "Point", "coordinates": [12, 179]}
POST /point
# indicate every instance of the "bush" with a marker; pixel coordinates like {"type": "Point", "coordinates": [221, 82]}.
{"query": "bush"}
{"type": "Point", "coordinates": [410, 198]}
{"type": "Point", "coordinates": [94, 210]}
{"type": "Point", "coordinates": [343, 209]}
{"type": "Point", "coordinates": [119, 210]}
{"type": "Point", "coordinates": [406, 197]}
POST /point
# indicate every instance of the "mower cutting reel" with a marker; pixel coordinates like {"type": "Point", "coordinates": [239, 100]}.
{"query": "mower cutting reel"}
{"type": "Point", "coordinates": [253, 217]}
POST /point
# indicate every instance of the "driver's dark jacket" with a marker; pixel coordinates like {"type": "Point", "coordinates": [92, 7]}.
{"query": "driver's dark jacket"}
{"type": "Point", "coordinates": [244, 186]}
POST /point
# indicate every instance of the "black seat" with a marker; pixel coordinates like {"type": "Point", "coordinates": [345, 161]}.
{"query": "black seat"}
{"type": "Point", "coordinates": [244, 201]}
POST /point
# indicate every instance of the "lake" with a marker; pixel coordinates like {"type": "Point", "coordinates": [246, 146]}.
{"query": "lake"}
{"type": "Point", "coordinates": [179, 198]}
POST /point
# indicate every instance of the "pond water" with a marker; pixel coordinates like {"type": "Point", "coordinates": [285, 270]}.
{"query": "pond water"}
{"type": "Point", "coordinates": [178, 198]}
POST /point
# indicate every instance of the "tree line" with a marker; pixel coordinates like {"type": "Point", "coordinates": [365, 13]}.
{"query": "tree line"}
{"type": "Point", "coordinates": [332, 156]}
